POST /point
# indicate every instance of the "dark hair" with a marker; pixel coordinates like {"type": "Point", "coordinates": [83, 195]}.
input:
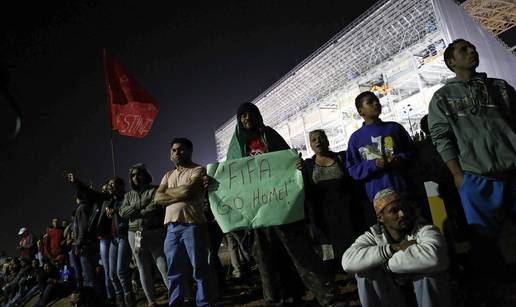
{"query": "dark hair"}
{"type": "Point", "coordinates": [183, 141]}
{"type": "Point", "coordinates": [361, 96]}
{"type": "Point", "coordinates": [251, 108]}
{"type": "Point", "coordinates": [448, 52]}
{"type": "Point", "coordinates": [321, 131]}
{"type": "Point", "coordinates": [424, 124]}
{"type": "Point", "coordinates": [140, 167]}
{"type": "Point", "coordinates": [116, 180]}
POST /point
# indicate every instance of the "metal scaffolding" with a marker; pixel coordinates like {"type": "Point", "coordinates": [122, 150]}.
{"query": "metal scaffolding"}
{"type": "Point", "coordinates": [395, 49]}
{"type": "Point", "coordinates": [497, 16]}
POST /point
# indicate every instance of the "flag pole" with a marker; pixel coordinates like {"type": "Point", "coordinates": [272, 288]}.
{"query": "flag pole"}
{"type": "Point", "coordinates": [112, 152]}
{"type": "Point", "coordinates": [104, 53]}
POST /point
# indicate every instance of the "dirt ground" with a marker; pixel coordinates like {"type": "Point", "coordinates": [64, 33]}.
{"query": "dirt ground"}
{"type": "Point", "coordinates": [247, 291]}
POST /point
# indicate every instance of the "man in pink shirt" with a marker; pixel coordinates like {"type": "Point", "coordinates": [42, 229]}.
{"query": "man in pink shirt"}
{"type": "Point", "coordinates": [182, 193]}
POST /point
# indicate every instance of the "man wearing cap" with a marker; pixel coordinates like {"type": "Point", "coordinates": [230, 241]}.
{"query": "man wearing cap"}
{"type": "Point", "coordinates": [27, 245]}
{"type": "Point", "coordinates": [400, 252]}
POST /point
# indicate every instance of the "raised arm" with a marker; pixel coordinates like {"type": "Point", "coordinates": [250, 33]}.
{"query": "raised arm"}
{"type": "Point", "coordinates": [92, 195]}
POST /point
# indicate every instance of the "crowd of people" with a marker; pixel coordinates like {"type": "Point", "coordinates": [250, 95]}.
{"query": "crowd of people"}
{"type": "Point", "coordinates": [41, 268]}
{"type": "Point", "coordinates": [366, 213]}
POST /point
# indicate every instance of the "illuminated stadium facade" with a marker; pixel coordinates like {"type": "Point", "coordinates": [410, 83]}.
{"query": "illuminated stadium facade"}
{"type": "Point", "coordinates": [394, 49]}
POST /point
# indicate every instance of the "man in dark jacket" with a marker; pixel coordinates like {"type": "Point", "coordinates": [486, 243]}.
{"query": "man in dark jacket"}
{"type": "Point", "coordinates": [288, 241]}
{"type": "Point", "coordinates": [85, 247]}
{"type": "Point", "coordinates": [146, 232]}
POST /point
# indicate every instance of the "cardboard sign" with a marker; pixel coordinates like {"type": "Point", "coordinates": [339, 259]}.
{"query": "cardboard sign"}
{"type": "Point", "coordinates": [258, 191]}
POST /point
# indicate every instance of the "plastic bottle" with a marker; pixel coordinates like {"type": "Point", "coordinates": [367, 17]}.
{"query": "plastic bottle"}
{"type": "Point", "coordinates": [65, 273]}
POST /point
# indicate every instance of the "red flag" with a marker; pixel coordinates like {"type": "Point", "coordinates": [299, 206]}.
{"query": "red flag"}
{"type": "Point", "coordinates": [132, 109]}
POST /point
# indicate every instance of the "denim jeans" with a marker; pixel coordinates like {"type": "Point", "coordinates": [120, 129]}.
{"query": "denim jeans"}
{"type": "Point", "coordinates": [119, 258]}
{"type": "Point", "coordinates": [188, 241]}
{"type": "Point", "coordinates": [75, 264]}
{"type": "Point", "coordinates": [151, 251]}
{"type": "Point", "coordinates": [104, 257]}
{"type": "Point", "coordinates": [88, 261]}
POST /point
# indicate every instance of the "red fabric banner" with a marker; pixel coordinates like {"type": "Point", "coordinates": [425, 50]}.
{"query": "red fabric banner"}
{"type": "Point", "coordinates": [132, 109]}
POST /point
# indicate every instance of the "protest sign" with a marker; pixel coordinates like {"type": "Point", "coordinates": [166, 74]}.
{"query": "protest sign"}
{"type": "Point", "coordinates": [258, 191]}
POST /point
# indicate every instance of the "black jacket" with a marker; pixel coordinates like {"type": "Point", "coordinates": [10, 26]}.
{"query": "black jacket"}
{"type": "Point", "coordinates": [81, 221]}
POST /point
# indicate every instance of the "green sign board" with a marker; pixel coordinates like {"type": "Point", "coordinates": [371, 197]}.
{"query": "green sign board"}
{"type": "Point", "coordinates": [258, 191]}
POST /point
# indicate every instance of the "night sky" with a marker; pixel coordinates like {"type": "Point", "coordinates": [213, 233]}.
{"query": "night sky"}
{"type": "Point", "coordinates": [199, 60]}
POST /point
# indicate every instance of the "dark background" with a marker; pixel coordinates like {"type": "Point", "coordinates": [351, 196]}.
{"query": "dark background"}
{"type": "Point", "coordinates": [200, 60]}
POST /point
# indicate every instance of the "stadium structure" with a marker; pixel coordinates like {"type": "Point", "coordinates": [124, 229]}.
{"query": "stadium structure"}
{"type": "Point", "coordinates": [394, 49]}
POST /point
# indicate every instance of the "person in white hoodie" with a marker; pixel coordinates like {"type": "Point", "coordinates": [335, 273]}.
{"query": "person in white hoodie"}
{"type": "Point", "coordinates": [398, 253]}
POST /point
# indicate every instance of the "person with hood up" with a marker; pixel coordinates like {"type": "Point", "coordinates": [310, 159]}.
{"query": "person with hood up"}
{"type": "Point", "coordinates": [401, 252]}
{"type": "Point", "coordinates": [288, 241]}
{"type": "Point", "coordinates": [146, 232]}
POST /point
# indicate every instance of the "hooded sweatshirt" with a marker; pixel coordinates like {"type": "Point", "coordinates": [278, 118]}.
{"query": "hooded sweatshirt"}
{"type": "Point", "coordinates": [139, 206]}
{"type": "Point", "coordinates": [238, 147]}
{"type": "Point", "coordinates": [474, 121]}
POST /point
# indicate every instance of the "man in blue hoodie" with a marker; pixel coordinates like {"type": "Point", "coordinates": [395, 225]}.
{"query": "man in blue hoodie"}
{"type": "Point", "coordinates": [472, 121]}
{"type": "Point", "coordinates": [378, 152]}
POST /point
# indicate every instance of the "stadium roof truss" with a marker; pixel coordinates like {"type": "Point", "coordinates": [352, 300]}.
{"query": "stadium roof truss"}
{"type": "Point", "coordinates": [497, 16]}
{"type": "Point", "coordinates": [395, 43]}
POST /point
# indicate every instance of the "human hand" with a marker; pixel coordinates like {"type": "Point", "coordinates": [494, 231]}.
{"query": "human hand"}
{"type": "Point", "coordinates": [110, 212]}
{"type": "Point", "coordinates": [403, 245]}
{"type": "Point", "coordinates": [458, 179]}
{"type": "Point", "coordinates": [206, 180]}
{"type": "Point", "coordinates": [299, 162]}
{"type": "Point", "coordinates": [71, 177]}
